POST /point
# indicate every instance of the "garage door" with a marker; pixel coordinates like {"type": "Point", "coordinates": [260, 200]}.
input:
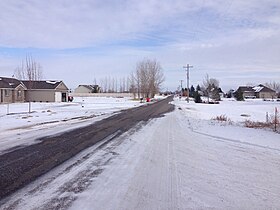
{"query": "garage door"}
{"type": "Point", "coordinates": [58, 96]}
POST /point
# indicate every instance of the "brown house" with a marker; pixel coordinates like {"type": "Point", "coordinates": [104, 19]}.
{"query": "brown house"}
{"type": "Point", "coordinates": [247, 91]}
{"type": "Point", "coordinates": [11, 90]}
{"type": "Point", "coordinates": [264, 92]}
{"type": "Point", "coordinates": [46, 91]}
{"type": "Point", "coordinates": [259, 91]}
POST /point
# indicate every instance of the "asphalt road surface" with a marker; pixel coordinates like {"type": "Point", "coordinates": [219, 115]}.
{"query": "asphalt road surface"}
{"type": "Point", "coordinates": [22, 166]}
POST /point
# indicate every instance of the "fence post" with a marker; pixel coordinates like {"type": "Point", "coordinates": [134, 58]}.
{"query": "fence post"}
{"type": "Point", "coordinates": [266, 117]}
{"type": "Point", "coordinates": [275, 120]}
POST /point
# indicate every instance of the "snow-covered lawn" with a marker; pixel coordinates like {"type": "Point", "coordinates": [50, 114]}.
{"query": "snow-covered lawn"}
{"type": "Point", "coordinates": [200, 118]}
{"type": "Point", "coordinates": [181, 161]}
{"type": "Point", "coordinates": [237, 111]}
{"type": "Point", "coordinates": [20, 127]}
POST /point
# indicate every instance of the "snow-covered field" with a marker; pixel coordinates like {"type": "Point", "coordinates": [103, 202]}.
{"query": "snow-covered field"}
{"type": "Point", "coordinates": [20, 127]}
{"type": "Point", "coordinates": [237, 111]}
{"type": "Point", "coordinates": [184, 160]}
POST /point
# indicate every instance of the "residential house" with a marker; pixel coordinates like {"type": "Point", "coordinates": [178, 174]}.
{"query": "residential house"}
{"type": "Point", "coordinates": [247, 91]}
{"type": "Point", "coordinates": [264, 92]}
{"type": "Point", "coordinates": [11, 90]}
{"type": "Point", "coordinates": [46, 91]}
{"type": "Point", "coordinates": [88, 89]}
{"type": "Point", "coordinates": [259, 91]}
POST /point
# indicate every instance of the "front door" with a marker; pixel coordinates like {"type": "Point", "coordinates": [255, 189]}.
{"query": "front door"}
{"type": "Point", "coordinates": [2, 93]}
{"type": "Point", "coordinates": [64, 97]}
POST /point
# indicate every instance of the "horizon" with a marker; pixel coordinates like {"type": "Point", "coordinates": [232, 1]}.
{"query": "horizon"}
{"type": "Point", "coordinates": [237, 42]}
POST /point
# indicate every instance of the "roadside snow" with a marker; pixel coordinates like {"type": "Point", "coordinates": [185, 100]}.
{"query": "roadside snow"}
{"type": "Point", "coordinates": [200, 115]}
{"type": "Point", "coordinates": [237, 111]}
{"type": "Point", "coordinates": [180, 161]}
{"type": "Point", "coordinates": [21, 128]}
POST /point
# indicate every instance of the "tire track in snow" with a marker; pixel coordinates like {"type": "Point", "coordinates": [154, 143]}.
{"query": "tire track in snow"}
{"type": "Point", "coordinates": [222, 139]}
{"type": "Point", "coordinates": [174, 190]}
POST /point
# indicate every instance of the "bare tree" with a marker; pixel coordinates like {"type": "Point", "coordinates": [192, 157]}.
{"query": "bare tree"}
{"type": "Point", "coordinates": [29, 70]}
{"type": "Point", "coordinates": [127, 84]}
{"type": "Point", "coordinates": [211, 88]}
{"type": "Point", "coordinates": [132, 87]}
{"type": "Point", "coordinates": [149, 77]}
{"type": "Point", "coordinates": [274, 86]}
{"type": "Point", "coordinates": [94, 81]}
{"type": "Point", "coordinates": [138, 82]}
{"type": "Point", "coordinates": [156, 77]}
{"type": "Point", "coordinates": [123, 84]}
{"type": "Point", "coordinates": [121, 90]}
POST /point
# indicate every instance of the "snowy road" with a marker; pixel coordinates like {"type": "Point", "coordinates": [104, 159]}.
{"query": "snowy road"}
{"type": "Point", "coordinates": [179, 169]}
{"type": "Point", "coordinates": [162, 165]}
{"type": "Point", "coordinates": [50, 151]}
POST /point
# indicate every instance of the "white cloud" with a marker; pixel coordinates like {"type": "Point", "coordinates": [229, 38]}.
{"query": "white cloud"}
{"type": "Point", "coordinates": [71, 24]}
{"type": "Point", "coordinates": [216, 36]}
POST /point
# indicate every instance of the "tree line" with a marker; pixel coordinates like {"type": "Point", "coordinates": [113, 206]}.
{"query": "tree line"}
{"type": "Point", "coordinates": [210, 89]}
{"type": "Point", "coordinates": [145, 81]}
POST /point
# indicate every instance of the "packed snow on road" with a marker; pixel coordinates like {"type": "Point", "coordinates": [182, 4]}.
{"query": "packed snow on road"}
{"type": "Point", "coordinates": [184, 160]}
{"type": "Point", "coordinates": [19, 127]}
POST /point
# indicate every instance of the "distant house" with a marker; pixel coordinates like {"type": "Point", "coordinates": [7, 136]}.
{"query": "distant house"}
{"type": "Point", "coordinates": [264, 92]}
{"type": "Point", "coordinates": [259, 91]}
{"type": "Point", "coordinates": [88, 89]}
{"type": "Point", "coordinates": [46, 91]}
{"type": "Point", "coordinates": [246, 91]}
{"type": "Point", "coordinates": [11, 90]}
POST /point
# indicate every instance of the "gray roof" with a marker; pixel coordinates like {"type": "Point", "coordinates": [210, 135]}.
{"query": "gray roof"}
{"type": "Point", "coordinates": [262, 88]}
{"type": "Point", "coordinates": [6, 82]}
{"type": "Point", "coordinates": [256, 89]}
{"type": "Point", "coordinates": [245, 89]}
{"type": "Point", "coordinates": [90, 87]}
{"type": "Point", "coordinates": [42, 85]}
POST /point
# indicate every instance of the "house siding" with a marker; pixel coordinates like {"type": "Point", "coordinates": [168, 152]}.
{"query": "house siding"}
{"type": "Point", "coordinates": [19, 94]}
{"type": "Point", "coordinates": [61, 94]}
{"type": "Point", "coordinates": [40, 95]}
{"type": "Point", "coordinates": [62, 87]}
{"type": "Point", "coordinates": [266, 95]}
{"type": "Point", "coordinates": [82, 89]}
{"type": "Point", "coordinates": [6, 95]}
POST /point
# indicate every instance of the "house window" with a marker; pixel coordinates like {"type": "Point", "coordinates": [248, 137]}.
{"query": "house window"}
{"type": "Point", "coordinates": [7, 93]}
{"type": "Point", "coordinates": [19, 93]}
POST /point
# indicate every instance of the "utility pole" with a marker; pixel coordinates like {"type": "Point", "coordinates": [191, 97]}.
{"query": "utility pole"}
{"type": "Point", "coordinates": [187, 67]}
{"type": "Point", "coordinates": [181, 87]}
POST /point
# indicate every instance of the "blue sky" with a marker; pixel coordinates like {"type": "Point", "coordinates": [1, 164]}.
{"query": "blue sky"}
{"type": "Point", "coordinates": [236, 42]}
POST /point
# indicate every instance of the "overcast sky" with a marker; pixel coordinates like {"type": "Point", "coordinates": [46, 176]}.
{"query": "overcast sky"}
{"type": "Point", "coordinates": [236, 42]}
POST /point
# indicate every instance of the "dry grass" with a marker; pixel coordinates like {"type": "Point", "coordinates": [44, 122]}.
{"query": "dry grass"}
{"type": "Point", "coordinates": [256, 124]}
{"type": "Point", "coordinates": [222, 118]}
{"type": "Point", "coordinates": [273, 123]}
